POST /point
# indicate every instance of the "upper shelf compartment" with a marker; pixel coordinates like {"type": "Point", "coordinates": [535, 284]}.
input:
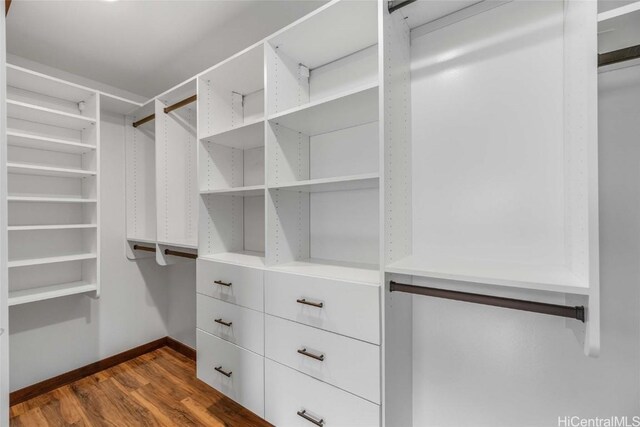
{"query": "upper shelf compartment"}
{"type": "Point", "coordinates": [231, 96]}
{"type": "Point", "coordinates": [30, 87]}
{"type": "Point", "coordinates": [619, 35]}
{"type": "Point", "coordinates": [330, 53]}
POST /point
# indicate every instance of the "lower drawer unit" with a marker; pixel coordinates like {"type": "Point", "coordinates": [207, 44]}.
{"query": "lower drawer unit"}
{"type": "Point", "coordinates": [347, 363]}
{"type": "Point", "coordinates": [234, 371]}
{"type": "Point", "coordinates": [233, 323]}
{"type": "Point", "coordinates": [295, 399]}
{"type": "Point", "coordinates": [348, 308]}
{"type": "Point", "coordinates": [235, 284]}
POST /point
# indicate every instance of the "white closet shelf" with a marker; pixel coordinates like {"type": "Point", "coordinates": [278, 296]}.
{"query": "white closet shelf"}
{"type": "Point", "coordinates": [245, 136]}
{"type": "Point", "coordinates": [142, 240]}
{"type": "Point", "coordinates": [329, 269]}
{"type": "Point", "coordinates": [47, 116]}
{"type": "Point", "coordinates": [51, 227]}
{"type": "Point", "coordinates": [32, 169]}
{"type": "Point", "coordinates": [32, 81]}
{"type": "Point", "coordinates": [48, 292]}
{"type": "Point", "coordinates": [49, 199]}
{"type": "Point", "coordinates": [352, 182]}
{"type": "Point", "coordinates": [348, 109]}
{"type": "Point", "coordinates": [244, 258]}
{"type": "Point", "coordinates": [26, 140]}
{"type": "Point", "coordinates": [185, 245]}
{"type": "Point", "coordinates": [251, 190]}
{"type": "Point", "coordinates": [49, 260]}
{"type": "Point", "coordinates": [558, 279]}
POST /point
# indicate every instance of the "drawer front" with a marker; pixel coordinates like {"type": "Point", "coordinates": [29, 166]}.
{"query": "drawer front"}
{"type": "Point", "coordinates": [347, 363]}
{"type": "Point", "coordinates": [245, 370]}
{"type": "Point", "coordinates": [239, 325]}
{"type": "Point", "coordinates": [351, 309]}
{"type": "Point", "coordinates": [288, 393]}
{"type": "Point", "coordinates": [246, 288]}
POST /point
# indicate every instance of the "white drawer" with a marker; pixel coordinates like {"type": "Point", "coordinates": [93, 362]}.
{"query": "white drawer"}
{"type": "Point", "coordinates": [246, 287]}
{"type": "Point", "coordinates": [288, 393]}
{"type": "Point", "coordinates": [239, 325]}
{"type": "Point", "coordinates": [245, 370]}
{"type": "Point", "coordinates": [348, 308]}
{"type": "Point", "coordinates": [347, 363]}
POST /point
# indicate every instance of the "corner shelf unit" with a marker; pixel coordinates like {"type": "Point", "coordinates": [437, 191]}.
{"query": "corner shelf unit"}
{"type": "Point", "coordinates": [53, 169]}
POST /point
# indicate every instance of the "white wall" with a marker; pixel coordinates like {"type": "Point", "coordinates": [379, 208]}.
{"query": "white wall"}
{"type": "Point", "coordinates": [140, 302]}
{"type": "Point", "coordinates": [483, 366]}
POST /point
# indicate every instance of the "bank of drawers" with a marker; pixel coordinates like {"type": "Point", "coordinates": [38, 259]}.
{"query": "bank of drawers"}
{"type": "Point", "coordinates": [290, 343]}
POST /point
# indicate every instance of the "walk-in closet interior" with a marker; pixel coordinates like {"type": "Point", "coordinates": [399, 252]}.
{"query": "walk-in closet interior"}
{"type": "Point", "coordinates": [337, 214]}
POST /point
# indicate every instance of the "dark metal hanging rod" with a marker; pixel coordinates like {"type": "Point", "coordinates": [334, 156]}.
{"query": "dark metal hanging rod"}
{"type": "Point", "coordinates": [397, 4]}
{"type": "Point", "coordinates": [180, 254]}
{"type": "Point", "coordinates": [620, 55]}
{"type": "Point", "coordinates": [572, 312]}
{"type": "Point", "coordinates": [181, 104]}
{"type": "Point", "coordinates": [143, 248]}
{"type": "Point", "coordinates": [144, 120]}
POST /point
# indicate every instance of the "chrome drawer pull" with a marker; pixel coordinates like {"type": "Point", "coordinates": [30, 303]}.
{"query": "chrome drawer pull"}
{"type": "Point", "coordinates": [304, 415]}
{"type": "Point", "coordinates": [222, 322]}
{"type": "Point", "coordinates": [226, 374]}
{"type": "Point", "coordinates": [312, 304]}
{"type": "Point", "coordinates": [220, 282]}
{"type": "Point", "coordinates": [304, 352]}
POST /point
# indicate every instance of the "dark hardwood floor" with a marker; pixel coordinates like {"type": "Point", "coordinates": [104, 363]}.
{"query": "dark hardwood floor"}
{"type": "Point", "coordinates": [156, 389]}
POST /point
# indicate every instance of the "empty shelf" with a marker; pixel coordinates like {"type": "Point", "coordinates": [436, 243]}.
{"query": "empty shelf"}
{"type": "Point", "coordinates": [543, 278]}
{"type": "Point", "coordinates": [30, 199]}
{"type": "Point", "coordinates": [178, 244]}
{"type": "Point", "coordinates": [36, 82]}
{"type": "Point", "coordinates": [353, 108]}
{"type": "Point", "coordinates": [47, 116]}
{"type": "Point", "coordinates": [353, 182]}
{"type": "Point", "coordinates": [245, 258]}
{"type": "Point", "coordinates": [253, 190]}
{"type": "Point", "coordinates": [246, 136]}
{"type": "Point", "coordinates": [50, 227]}
{"type": "Point", "coordinates": [49, 292]}
{"type": "Point", "coordinates": [49, 260]}
{"type": "Point", "coordinates": [142, 240]}
{"type": "Point", "coordinates": [26, 140]}
{"type": "Point", "coordinates": [352, 272]}
{"type": "Point", "coordinates": [31, 169]}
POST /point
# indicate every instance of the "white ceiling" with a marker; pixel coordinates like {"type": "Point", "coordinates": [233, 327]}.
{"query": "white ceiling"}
{"type": "Point", "coordinates": [142, 46]}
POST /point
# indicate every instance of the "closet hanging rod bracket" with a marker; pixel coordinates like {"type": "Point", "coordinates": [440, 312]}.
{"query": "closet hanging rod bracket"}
{"type": "Point", "coordinates": [180, 104]}
{"type": "Point", "coordinates": [180, 254]}
{"type": "Point", "coordinates": [394, 5]}
{"type": "Point", "coordinates": [571, 312]}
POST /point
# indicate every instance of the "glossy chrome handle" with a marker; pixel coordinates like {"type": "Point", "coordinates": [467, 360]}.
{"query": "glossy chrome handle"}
{"type": "Point", "coordinates": [309, 418]}
{"type": "Point", "coordinates": [222, 322]}
{"type": "Point", "coordinates": [220, 282]}
{"type": "Point", "coordinates": [311, 303]}
{"type": "Point", "coordinates": [226, 374]}
{"type": "Point", "coordinates": [304, 352]}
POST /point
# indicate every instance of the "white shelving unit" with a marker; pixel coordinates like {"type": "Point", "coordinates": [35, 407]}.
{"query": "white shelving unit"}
{"type": "Point", "coordinates": [53, 182]}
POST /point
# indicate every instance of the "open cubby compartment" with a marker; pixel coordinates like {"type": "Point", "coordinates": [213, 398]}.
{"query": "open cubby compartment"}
{"type": "Point", "coordinates": [233, 228]}
{"type": "Point", "coordinates": [140, 178]}
{"type": "Point", "coordinates": [48, 94]}
{"type": "Point", "coordinates": [176, 168]}
{"type": "Point", "coordinates": [477, 191]}
{"type": "Point", "coordinates": [331, 55]}
{"type": "Point", "coordinates": [231, 97]}
{"type": "Point", "coordinates": [331, 234]}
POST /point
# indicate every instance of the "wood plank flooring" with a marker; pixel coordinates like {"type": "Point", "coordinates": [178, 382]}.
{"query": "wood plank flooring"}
{"type": "Point", "coordinates": [156, 389]}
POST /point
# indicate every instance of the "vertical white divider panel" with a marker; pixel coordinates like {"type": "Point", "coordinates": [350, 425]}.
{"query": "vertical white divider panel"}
{"type": "Point", "coordinates": [395, 214]}
{"type": "Point", "coordinates": [4, 279]}
{"type": "Point", "coordinates": [140, 161]}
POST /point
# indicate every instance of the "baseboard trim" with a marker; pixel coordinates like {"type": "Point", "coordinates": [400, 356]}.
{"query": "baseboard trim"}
{"type": "Point", "coordinates": [181, 348]}
{"type": "Point", "coordinates": [50, 384]}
